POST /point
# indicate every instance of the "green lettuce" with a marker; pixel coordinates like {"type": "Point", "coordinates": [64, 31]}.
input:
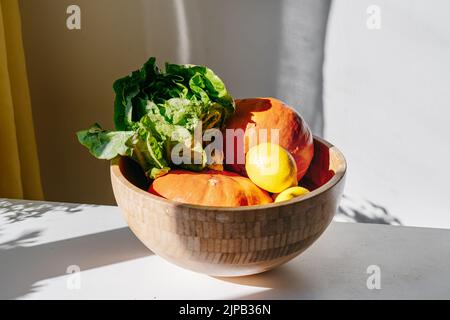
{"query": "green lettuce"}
{"type": "Point", "coordinates": [153, 107]}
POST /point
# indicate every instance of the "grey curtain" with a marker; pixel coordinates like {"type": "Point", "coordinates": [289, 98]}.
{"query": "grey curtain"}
{"type": "Point", "coordinates": [260, 47]}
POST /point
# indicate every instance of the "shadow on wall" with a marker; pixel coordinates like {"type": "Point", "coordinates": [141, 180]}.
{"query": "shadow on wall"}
{"type": "Point", "coordinates": [71, 73]}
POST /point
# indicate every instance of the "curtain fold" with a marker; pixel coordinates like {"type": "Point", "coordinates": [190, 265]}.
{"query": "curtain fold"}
{"type": "Point", "coordinates": [19, 165]}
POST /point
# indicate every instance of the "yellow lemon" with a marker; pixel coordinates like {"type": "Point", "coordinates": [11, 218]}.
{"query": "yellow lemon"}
{"type": "Point", "coordinates": [271, 167]}
{"type": "Point", "coordinates": [290, 193]}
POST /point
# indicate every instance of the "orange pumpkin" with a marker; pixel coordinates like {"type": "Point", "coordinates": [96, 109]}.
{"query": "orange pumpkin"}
{"type": "Point", "coordinates": [209, 188]}
{"type": "Point", "coordinates": [268, 113]}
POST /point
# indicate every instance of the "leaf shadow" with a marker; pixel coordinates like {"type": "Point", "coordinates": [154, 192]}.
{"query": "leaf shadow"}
{"type": "Point", "coordinates": [20, 210]}
{"type": "Point", "coordinates": [353, 209]}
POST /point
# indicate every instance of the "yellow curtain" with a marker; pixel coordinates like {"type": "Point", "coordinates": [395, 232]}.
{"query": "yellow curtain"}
{"type": "Point", "coordinates": [19, 166]}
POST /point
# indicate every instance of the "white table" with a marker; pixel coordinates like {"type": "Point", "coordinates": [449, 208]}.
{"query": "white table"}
{"type": "Point", "coordinates": [40, 240]}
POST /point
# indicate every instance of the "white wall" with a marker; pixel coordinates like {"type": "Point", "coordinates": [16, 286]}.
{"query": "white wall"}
{"type": "Point", "coordinates": [387, 105]}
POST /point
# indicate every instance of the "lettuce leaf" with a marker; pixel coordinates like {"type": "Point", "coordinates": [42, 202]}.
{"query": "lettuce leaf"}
{"type": "Point", "coordinates": [139, 145]}
{"type": "Point", "coordinates": [105, 144]}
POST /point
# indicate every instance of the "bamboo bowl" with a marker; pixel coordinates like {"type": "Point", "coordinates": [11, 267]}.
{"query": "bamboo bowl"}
{"type": "Point", "coordinates": [222, 241]}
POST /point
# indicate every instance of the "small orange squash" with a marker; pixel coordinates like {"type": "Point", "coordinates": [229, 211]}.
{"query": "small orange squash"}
{"type": "Point", "coordinates": [268, 114]}
{"type": "Point", "coordinates": [209, 188]}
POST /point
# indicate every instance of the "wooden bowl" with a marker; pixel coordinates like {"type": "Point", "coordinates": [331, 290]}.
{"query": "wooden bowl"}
{"type": "Point", "coordinates": [223, 241]}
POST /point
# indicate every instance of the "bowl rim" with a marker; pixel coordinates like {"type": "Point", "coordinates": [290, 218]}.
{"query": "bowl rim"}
{"type": "Point", "coordinates": [338, 176]}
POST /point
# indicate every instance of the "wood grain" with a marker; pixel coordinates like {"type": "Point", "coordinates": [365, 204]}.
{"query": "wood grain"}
{"type": "Point", "coordinates": [222, 241]}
